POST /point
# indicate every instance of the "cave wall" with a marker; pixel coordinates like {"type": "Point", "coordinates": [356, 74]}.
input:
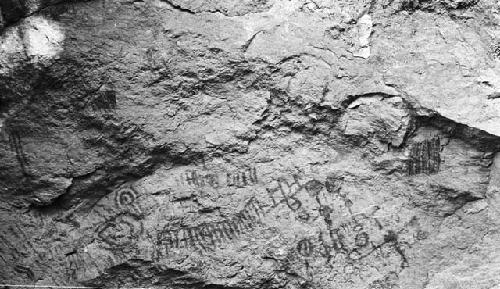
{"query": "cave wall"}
{"type": "Point", "coordinates": [250, 144]}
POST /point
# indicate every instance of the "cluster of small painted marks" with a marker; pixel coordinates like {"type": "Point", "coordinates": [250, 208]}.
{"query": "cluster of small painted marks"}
{"type": "Point", "coordinates": [425, 157]}
{"type": "Point", "coordinates": [182, 190]}
{"type": "Point", "coordinates": [310, 199]}
{"type": "Point", "coordinates": [352, 238]}
{"type": "Point", "coordinates": [207, 236]}
{"type": "Point", "coordinates": [348, 245]}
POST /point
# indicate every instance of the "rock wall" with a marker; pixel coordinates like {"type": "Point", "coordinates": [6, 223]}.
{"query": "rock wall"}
{"type": "Point", "coordinates": [250, 144]}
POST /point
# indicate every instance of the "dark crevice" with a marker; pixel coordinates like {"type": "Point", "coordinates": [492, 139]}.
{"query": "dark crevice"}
{"type": "Point", "coordinates": [353, 97]}
{"type": "Point", "coordinates": [212, 10]}
{"type": "Point", "coordinates": [435, 6]}
{"type": "Point", "coordinates": [138, 274]}
{"type": "Point", "coordinates": [61, 201]}
{"type": "Point", "coordinates": [480, 139]}
{"type": "Point", "coordinates": [460, 201]}
{"type": "Point", "coordinates": [101, 182]}
{"type": "Point", "coordinates": [179, 7]}
{"type": "Point", "coordinates": [144, 274]}
{"type": "Point", "coordinates": [12, 11]}
{"type": "Point", "coordinates": [247, 44]}
{"type": "Point", "coordinates": [70, 253]}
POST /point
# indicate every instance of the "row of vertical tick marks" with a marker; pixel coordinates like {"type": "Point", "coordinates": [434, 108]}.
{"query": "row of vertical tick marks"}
{"type": "Point", "coordinates": [102, 100]}
{"type": "Point", "coordinates": [199, 179]}
{"type": "Point", "coordinates": [17, 147]}
{"type": "Point", "coordinates": [425, 157]}
{"type": "Point", "coordinates": [207, 236]}
{"type": "Point", "coordinates": [286, 192]}
{"type": "Point", "coordinates": [124, 228]}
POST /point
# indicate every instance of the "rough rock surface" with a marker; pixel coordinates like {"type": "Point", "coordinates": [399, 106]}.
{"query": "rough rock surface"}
{"type": "Point", "coordinates": [250, 144]}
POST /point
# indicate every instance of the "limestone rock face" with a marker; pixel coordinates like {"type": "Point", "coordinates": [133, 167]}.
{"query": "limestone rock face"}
{"type": "Point", "coordinates": [250, 144]}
